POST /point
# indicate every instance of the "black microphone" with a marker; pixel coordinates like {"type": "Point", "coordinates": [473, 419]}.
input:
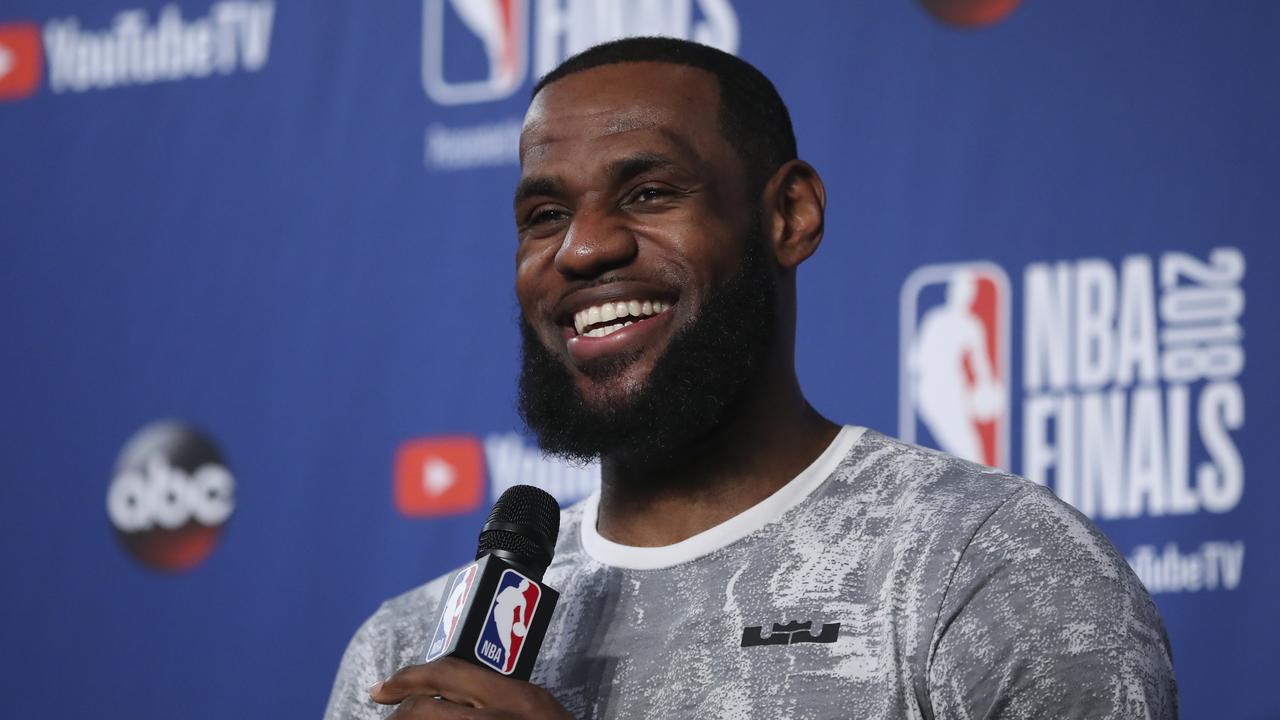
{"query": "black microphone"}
{"type": "Point", "coordinates": [495, 611]}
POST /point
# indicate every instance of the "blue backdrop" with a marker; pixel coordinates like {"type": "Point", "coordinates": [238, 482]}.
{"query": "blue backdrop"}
{"type": "Point", "coordinates": [285, 226]}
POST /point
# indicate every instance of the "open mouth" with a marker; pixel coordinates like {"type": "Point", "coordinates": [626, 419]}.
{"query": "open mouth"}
{"type": "Point", "coordinates": [614, 328]}
{"type": "Point", "coordinates": [605, 319]}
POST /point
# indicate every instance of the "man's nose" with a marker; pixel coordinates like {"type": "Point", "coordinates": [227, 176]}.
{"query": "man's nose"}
{"type": "Point", "coordinates": [594, 244]}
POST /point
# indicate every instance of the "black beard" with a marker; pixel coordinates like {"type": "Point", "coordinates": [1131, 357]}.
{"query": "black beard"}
{"type": "Point", "coordinates": [690, 391]}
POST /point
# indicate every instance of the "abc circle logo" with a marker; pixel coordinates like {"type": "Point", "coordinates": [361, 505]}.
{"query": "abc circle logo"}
{"type": "Point", "coordinates": [170, 496]}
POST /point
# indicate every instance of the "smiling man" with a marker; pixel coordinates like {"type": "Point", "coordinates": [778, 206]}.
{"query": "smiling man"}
{"type": "Point", "coordinates": [745, 557]}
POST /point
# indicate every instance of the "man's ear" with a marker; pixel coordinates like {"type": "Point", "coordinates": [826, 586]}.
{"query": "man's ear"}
{"type": "Point", "coordinates": [795, 204]}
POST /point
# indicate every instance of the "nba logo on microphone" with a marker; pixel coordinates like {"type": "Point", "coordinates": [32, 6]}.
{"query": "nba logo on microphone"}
{"type": "Point", "coordinates": [455, 603]}
{"type": "Point", "coordinates": [510, 616]}
{"type": "Point", "coordinates": [474, 50]}
{"type": "Point", "coordinates": [953, 366]}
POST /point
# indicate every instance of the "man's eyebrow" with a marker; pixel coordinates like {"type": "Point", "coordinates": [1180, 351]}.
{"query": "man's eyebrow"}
{"type": "Point", "coordinates": [626, 168]}
{"type": "Point", "coordinates": [618, 171]}
{"type": "Point", "coordinates": [536, 185]}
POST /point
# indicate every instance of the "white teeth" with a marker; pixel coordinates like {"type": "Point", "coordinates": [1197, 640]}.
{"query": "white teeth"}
{"type": "Point", "coordinates": [606, 312]}
{"type": "Point", "coordinates": [606, 330]}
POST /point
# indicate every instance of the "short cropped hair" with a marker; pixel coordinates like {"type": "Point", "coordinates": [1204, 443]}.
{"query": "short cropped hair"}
{"type": "Point", "coordinates": [753, 117]}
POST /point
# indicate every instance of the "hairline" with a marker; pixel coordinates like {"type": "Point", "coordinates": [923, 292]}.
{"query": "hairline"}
{"type": "Point", "coordinates": [722, 120]}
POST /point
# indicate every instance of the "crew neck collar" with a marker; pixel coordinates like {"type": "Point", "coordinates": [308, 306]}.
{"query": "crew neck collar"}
{"type": "Point", "coordinates": [726, 533]}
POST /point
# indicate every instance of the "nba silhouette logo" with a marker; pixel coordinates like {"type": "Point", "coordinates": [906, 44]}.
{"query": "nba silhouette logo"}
{"type": "Point", "coordinates": [454, 603]}
{"type": "Point", "coordinates": [460, 37]}
{"type": "Point", "coordinates": [953, 367]}
{"type": "Point", "coordinates": [510, 616]}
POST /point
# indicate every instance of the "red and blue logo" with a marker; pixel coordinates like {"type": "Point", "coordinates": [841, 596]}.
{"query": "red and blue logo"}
{"type": "Point", "coordinates": [954, 362]}
{"type": "Point", "coordinates": [510, 615]}
{"type": "Point", "coordinates": [474, 50]}
{"type": "Point", "coordinates": [455, 603]}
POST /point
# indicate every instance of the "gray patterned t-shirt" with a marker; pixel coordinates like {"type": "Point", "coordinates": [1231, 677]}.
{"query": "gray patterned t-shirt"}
{"type": "Point", "coordinates": [931, 587]}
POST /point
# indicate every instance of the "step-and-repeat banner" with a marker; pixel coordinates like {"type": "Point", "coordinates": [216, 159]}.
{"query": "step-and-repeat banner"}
{"type": "Point", "coordinates": [257, 338]}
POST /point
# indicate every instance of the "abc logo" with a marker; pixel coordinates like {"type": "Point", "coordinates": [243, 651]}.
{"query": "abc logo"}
{"type": "Point", "coordinates": [170, 496]}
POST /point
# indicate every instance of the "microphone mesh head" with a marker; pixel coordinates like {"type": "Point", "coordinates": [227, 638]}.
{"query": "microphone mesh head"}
{"type": "Point", "coordinates": [523, 523]}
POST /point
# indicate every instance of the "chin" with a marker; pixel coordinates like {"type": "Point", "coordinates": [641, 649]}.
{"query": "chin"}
{"type": "Point", "coordinates": [609, 385]}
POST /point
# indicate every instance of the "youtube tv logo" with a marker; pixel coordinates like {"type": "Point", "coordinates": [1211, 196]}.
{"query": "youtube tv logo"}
{"type": "Point", "coordinates": [21, 60]}
{"type": "Point", "coordinates": [439, 476]}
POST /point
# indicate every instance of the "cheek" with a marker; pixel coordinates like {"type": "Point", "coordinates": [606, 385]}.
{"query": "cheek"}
{"type": "Point", "coordinates": [707, 260]}
{"type": "Point", "coordinates": [534, 277]}
{"type": "Point", "coordinates": [526, 267]}
{"type": "Point", "coordinates": [705, 237]}
{"type": "Point", "coordinates": [527, 295]}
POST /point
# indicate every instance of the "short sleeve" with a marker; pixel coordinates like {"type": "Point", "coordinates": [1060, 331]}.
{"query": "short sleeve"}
{"type": "Point", "coordinates": [1044, 618]}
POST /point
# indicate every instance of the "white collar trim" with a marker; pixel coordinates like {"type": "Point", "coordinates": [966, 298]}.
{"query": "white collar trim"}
{"type": "Point", "coordinates": [727, 532]}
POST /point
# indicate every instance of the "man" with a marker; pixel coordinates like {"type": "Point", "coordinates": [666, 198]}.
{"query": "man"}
{"type": "Point", "coordinates": [745, 557]}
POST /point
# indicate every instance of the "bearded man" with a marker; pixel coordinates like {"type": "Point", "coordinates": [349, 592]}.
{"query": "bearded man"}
{"type": "Point", "coordinates": [745, 557]}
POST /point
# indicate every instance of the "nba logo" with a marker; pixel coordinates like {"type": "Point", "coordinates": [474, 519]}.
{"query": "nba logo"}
{"type": "Point", "coordinates": [953, 367]}
{"type": "Point", "coordinates": [455, 602]}
{"type": "Point", "coordinates": [467, 35]}
{"type": "Point", "coordinates": [510, 616]}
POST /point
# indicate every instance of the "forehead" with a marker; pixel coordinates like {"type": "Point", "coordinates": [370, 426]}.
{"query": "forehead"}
{"type": "Point", "coordinates": [625, 104]}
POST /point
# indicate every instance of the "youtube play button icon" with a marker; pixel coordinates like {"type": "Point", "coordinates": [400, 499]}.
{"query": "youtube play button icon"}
{"type": "Point", "coordinates": [439, 476]}
{"type": "Point", "coordinates": [21, 60]}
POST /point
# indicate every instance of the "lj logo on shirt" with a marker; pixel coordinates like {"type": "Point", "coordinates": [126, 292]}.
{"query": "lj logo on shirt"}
{"type": "Point", "coordinates": [790, 634]}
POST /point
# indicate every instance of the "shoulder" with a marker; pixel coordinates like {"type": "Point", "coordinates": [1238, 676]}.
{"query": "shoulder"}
{"type": "Point", "coordinates": [1034, 528]}
{"type": "Point", "coordinates": [993, 526]}
{"type": "Point", "coordinates": [930, 491]}
{"type": "Point", "coordinates": [394, 636]}
{"type": "Point", "coordinates": [1039, 557]}
{"type": "Point", "coordinates": [1042, 616]}
{"type": "Point", "coordinates": [1027, 609]}
{"type": "Point", "coordinates": [907, 510]}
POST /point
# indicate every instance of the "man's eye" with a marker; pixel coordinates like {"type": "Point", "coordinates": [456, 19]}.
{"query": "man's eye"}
{"type": "Point", "coordinates": [545, 215]}
{"type": "Point", "coordinates": [649, 194]}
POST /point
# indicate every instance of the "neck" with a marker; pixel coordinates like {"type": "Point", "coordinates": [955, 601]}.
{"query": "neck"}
{"type": "Point", "coordinates": [773, 435]}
